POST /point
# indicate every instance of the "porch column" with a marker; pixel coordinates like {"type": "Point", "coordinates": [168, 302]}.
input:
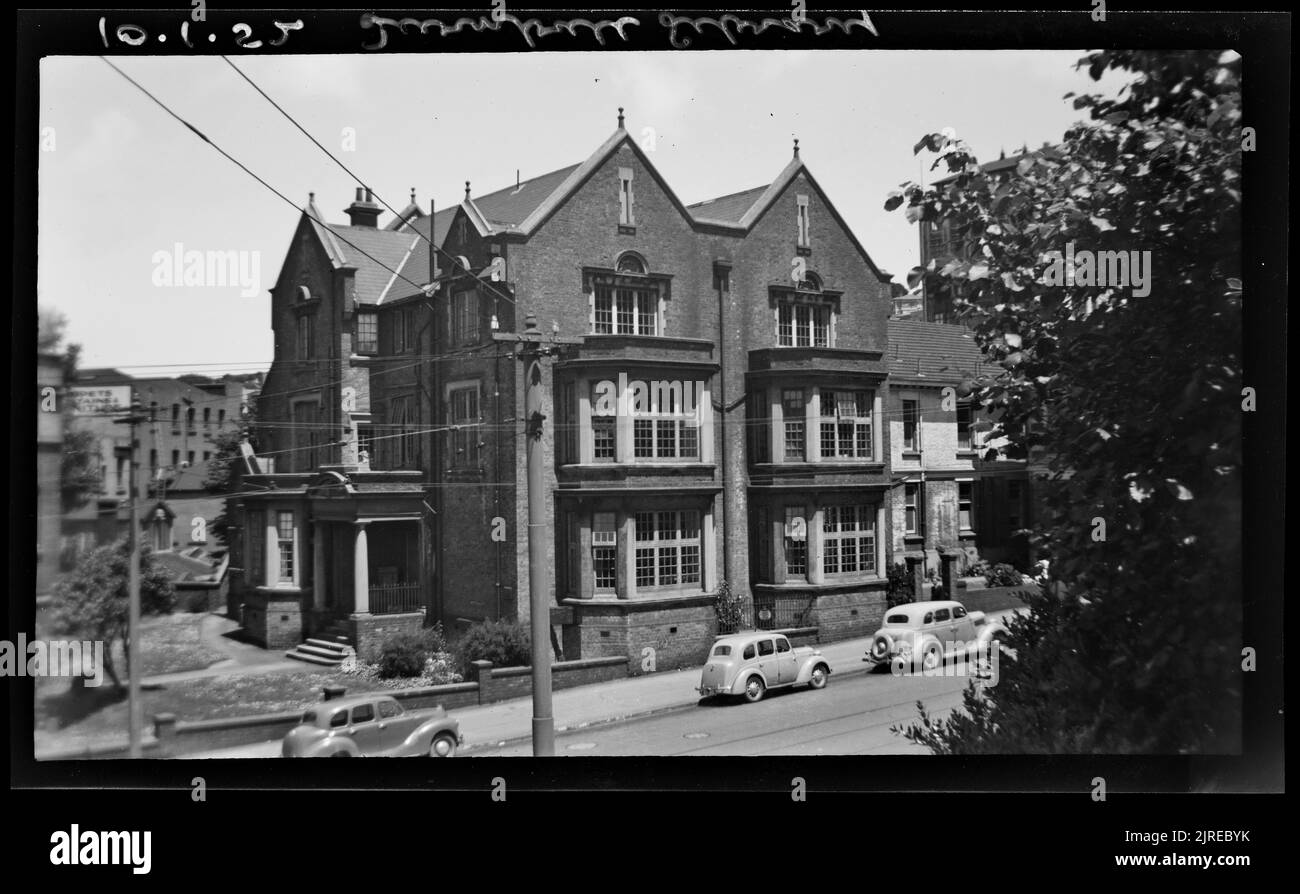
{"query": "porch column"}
{"type": "Point", "coordinates": [272, 550]}
{"type": "Point", "coordinates": [318, 564]}
{"type": "Point", "coordinates": [361, 571]}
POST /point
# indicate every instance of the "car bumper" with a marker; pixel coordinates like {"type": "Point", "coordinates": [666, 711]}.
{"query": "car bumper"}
{"type": "Point", "coordinates": [707, 691]}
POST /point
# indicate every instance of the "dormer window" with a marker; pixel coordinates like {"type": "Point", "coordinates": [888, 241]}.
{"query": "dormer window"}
{"type": "Point", "coordinates": [804, 235]}
{"type": "Point", "coordinates": [625, 217]}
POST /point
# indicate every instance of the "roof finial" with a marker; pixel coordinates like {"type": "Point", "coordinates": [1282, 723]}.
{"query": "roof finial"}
{"type": "Point", "coordinates": [311, 197]}
{"type": "Point", "coordinates": [412, 195]}
{"type": "Point", "coordinates": [796, 147]}
{"type": "Point", "coordinates": [620, 117]}
{"type": "Point", "coordinates": [467, 190]}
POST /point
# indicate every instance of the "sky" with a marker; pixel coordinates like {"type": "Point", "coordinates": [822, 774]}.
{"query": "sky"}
{"type": "Point", "coordinates": [121, 182]}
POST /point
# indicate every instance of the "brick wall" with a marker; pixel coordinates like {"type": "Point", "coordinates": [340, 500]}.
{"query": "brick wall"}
{"type": "Point", "coordinates": [275, 620]}
{"type": "Point", "coordinates": [368, 632]}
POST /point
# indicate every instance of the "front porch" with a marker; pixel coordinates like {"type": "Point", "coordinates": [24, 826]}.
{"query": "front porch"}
{"type": "Point", "coordinates": [368, 568]}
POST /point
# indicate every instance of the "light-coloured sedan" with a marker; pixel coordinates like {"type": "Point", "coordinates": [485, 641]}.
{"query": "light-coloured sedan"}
{"type": "Point", "coordinates": [925, 634]}
{"type": "Point", "coordinates": [372, 725]}
{"type": "Point", "coordinates": [749, 664]}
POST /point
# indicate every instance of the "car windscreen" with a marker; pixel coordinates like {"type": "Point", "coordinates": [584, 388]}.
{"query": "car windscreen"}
{"type": "Point", "coordinates": [896, 619]}
{"type": "Point", "coordinates": [721, 651]}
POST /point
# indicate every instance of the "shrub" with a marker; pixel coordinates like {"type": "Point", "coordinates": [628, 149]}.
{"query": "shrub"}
{"type": "Point", "coordinates": [729, 609]}
{"type": "Point", "coordinates": [504, 643]}
{"type": "Point", "coordinates": [1002, 575]}
{"type": "Point", "coordinates": [900, 586]}
{"type": "Point", "coordinates": [406, 654]}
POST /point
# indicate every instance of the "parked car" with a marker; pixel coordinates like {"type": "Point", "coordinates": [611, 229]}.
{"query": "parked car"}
{"type": "Point", "coordinates": [925, 634]}
{"type": "Point", "coordinates": [372, 725]}
{"type": "Point", "coordinates": [749, 664]}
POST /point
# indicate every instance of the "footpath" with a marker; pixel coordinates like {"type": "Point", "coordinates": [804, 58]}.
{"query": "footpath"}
{"type": "Point", "coordinates": [510, 722]}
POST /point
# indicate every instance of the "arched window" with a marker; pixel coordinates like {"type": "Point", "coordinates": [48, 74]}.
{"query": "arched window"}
{"type": "Point", "coordinates": [631, 262]}
{"type": "Point", "coordinates": [811, 282]}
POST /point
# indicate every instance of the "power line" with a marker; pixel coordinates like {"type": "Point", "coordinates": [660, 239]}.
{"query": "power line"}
{"type": "Point", "coordinates": [371, 191]}
{"type": "Point", "coordinates": [246, 170]}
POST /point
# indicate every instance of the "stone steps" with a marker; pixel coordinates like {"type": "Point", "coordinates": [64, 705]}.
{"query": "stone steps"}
{"type": "Point", "coordinates": [329, 653]}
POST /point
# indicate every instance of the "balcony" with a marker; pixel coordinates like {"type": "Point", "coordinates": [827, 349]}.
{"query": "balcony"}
{"type": "Point", "coordinates": [396, 598]}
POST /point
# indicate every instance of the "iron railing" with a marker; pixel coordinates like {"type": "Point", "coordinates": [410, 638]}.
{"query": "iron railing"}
{"type": "Point", "coordinates": [396, 598]}
{"type": "Point", "coordinates": [776, 611]}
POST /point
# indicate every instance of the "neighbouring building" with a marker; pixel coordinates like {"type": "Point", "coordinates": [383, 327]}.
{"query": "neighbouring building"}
{"type": "Point", "coordinates": [941, 243]}
{"type": "Point", "coordinates": [50, 395]}
{"type": "Point", "coordinates": [187, 414]}
{"type": "Point", "coordinates": [953, 492]}
{"type": "Point", "coordinates": [722, 419]}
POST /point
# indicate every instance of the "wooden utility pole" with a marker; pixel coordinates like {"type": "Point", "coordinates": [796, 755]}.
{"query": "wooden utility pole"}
{"type": "Point", "coordinates": [135, 710]}
{"type": "Point", "coordinates": [531, 347]}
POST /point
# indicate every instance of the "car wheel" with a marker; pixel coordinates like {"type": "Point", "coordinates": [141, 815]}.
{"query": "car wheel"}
{"type": "Point", "coordinates": [818, 678]}
{"type": "Point", "coordinates": [754, 689]}
{"type": "Point", "coordinates": [443, 745]}
{"type": "Point", "coordinates": [932, 656]}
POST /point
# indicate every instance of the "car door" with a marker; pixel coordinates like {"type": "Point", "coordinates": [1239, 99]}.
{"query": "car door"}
{"type": "Point", "coordinates": [364, 729]}
{"type": "Point", "coordinates": [394, 724]}
{"type": "Point", "coordinates": [963, 627]}
{"type": "Point", "coordinates": [787, 666]}
{"type": "Point", "coordinates": [943, 628]}
{"type": "Point", "coordinates": [766, 661]}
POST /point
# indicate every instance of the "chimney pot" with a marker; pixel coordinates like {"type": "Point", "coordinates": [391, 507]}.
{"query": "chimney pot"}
{"type": "Point", "coordinates": [359, 194]}
{"type": "Point", "coordinates": [369, 196]}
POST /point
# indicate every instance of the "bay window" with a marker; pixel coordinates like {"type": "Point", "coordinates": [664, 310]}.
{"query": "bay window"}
{"type": "Point", "coordinates": [625, 311]}
{"type": "Point", "coordinates": [848, 540]}
{"type": "Point", "coordinates": [803, 325]}
{"type": "Point", "coordinates": [604, 551]}
{"type": "Point", "coordinates": [793, 409]}
{"type": "Point", "coordinates": [845, 418]}
{"type": "Point", "coordinates": [667, 545]}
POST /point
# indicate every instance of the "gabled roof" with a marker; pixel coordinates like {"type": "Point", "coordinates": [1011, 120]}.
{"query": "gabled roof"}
{"type": "Point", "coordinates": [931, 353]}
{"type": "Point", "coordinates": [511, 206]}
{"type": "Point", "coordinates": [348, 246]}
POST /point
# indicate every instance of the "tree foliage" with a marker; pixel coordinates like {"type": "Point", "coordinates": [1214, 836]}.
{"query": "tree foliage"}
{"type": "Point", "coordinates": [93, 601]}
{"type": "Point", "coordinates": [1131, 402]}
{"type": "Point", "coordinates": [79, 470]}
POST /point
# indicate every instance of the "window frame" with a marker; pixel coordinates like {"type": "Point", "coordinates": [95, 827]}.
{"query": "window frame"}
{"type": "Point", "coordinates": [911, 420]}
{"type": "Point", "coordinates": [966, 517]}
{"type": "Point", "coordinates": [861, 424]}
{"type": "Point", "coordinates": [367, 332]}
{"type": "Point", "coordinates": [463, 443]}
{"type": "Point", "coordinates": [667, 548]}
{"type": "Point", "coordinates": [863, 536]}
{"type": "Point", "coordinates": [290, 543]}
{"type": "Point", "coordinates": [604, 552]}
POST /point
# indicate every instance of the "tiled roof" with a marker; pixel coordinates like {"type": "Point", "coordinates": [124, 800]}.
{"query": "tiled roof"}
{"type": "Point", "coordinates": [385, 246]}
{"type": "Point", "coordinates": [729, 208]}
{"type": "Point", "coordinates": [931, 352]}
{"type": "Point", "coordinates": [511, 206]}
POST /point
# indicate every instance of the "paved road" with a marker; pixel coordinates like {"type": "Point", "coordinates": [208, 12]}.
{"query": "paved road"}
{"type": "Point", "coordinates": [852, 715]}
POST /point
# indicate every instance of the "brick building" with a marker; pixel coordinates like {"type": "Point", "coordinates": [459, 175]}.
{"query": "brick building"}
{"type": "Point", "coordinates": [953, 493]}
{"type": "Point", "coordinates": [189, 413]}
{"type": "Point", "coordinates": [721, 421]}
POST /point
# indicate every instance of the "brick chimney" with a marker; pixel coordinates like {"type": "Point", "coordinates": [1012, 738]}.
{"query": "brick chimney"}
{"type": "Point", "coordinates": [363, 212]}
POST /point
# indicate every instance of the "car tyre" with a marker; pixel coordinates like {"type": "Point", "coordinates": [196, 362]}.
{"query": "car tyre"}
{"type": "Point", "coordinates": [819, 675]}
{"type": "Point", "coordinates": [754, 689]}
{"type": "Point", "coordinates": [443, 745]}
{"type": "Point", "coordinates": [932, 656]}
